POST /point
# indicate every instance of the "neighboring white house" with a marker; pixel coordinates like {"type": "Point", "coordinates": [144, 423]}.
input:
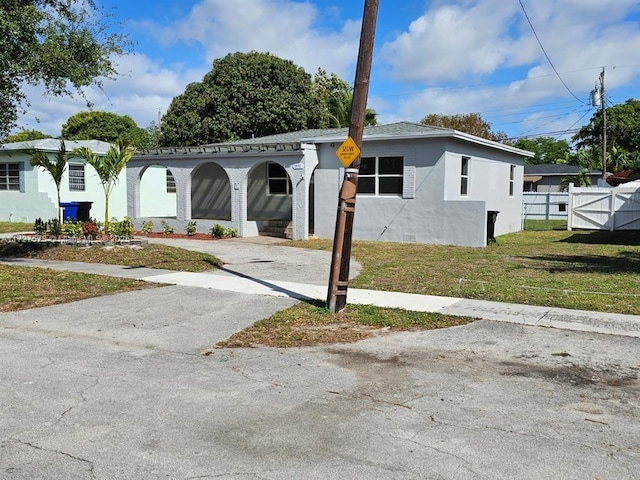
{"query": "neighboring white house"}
{"type": "Point", "coordinates": [27, 192]}
{"type": "Point", "coordinates": [416, 184]}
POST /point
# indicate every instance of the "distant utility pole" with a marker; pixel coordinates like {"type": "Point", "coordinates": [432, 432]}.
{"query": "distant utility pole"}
{"type": "Point", "coordinates": [341, 256]}
{"type": "Point", "coordinates": [598, 98]}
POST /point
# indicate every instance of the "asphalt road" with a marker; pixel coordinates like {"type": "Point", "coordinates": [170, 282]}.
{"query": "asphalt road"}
{"type": "Point", "coordinates": [118, 388]}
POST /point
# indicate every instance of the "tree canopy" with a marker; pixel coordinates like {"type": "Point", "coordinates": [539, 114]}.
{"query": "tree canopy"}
{"type": "Point", "coordinates": [471, 123]}
{"type": "Point", "coordinates": [105, 126]}
{"type": "Point", "coordinates": [623, 135]}
{"type": "Point", "coordinates": [25, 136]}
{"type": "Point", "coordinates": [546, 149]}
{"type": "Point", "coordinates": [64, 45]}
{"type": "Point", "coordinates": [334, 96]}
{"type": "Point", "coordinates": [244, 94]}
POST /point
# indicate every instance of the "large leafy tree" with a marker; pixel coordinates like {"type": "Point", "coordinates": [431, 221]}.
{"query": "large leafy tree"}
{"type": "Point", "coordinates": [55, 168]}
{"type": "Point", "coordinates": [471, 123]}
{"type": "Point", "coordinates": [546, 149]}
{"type": "Point", "coordinates": [25, 136]}
{"type": "Point", "coordinates": [64, 45]}
{"type": "Point", "coordinates": [105, 126]}
{"type": "Point", "coordinates": [623, 134]}
{"type": "Point", "coordinates": [244, 94]}
{"type": "Point", "coordinates": [108, 168]}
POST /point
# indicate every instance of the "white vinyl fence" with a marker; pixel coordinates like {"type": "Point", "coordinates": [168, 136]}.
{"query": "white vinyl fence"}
{"type": "Point", "coordinates": [545, 205]}
{"type": "Point", "coordinates": [597, 208]}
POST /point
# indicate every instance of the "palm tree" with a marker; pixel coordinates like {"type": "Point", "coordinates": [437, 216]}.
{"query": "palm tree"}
{"type": "Point", "coordinates": [56, 168]}
{"type": "Point", "coordinates": [108, 168]}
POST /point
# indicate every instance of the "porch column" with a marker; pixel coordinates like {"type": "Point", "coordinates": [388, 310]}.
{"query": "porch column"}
{"type": "Point", "coordinates": [134, 174]}
{"type": "Point", "coordinates": [182, 176]}
{"type": "Point", "coordinates": [300, 176]}
{"type": "Point", "coordinates": [239, 179]}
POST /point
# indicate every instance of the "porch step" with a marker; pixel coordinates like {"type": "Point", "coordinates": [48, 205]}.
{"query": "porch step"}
{"type": "Point", "coordinates": [277, 228]}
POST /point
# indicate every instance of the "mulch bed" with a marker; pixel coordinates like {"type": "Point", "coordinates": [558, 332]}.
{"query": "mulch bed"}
{"type": "Point", "coordinates": [196, 236]}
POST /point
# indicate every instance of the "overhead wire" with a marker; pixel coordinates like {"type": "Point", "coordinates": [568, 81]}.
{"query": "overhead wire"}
{"type": "Point", "coordinates": [546, 55]}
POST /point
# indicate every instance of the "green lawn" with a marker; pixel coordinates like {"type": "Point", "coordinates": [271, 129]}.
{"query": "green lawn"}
{"type": "Point", "coordinates": [579, 269]}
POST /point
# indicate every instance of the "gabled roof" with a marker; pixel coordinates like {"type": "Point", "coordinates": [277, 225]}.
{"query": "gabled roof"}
{"type": "Point", "coordinates": [53, 144]}
{"type": "Point", "coordinates": [553, 169]}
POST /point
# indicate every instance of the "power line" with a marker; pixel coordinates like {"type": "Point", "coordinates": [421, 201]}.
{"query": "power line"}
{"type": "Point", "coordinates": [546, 55]}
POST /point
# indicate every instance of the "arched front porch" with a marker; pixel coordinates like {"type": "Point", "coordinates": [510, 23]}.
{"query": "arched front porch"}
{"type": "Point", "coordinates": [265, 190]}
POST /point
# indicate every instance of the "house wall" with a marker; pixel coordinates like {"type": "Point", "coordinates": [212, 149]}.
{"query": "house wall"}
{"type": "Point", "coordinates": [489, 182]}
{"type": "Point", "coordinates": [29, 203]}
{"type": "Point", "coordinates": [431, 209]}
{"type": "Point", "coordinates": [39, 199]}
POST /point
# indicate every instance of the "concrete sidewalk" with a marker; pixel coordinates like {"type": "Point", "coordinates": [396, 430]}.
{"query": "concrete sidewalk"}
{"type": "Point", "coordinates": [231, 280]}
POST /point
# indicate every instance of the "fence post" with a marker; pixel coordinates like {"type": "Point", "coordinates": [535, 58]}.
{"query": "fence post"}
{"type": "Point", "coordinates": [570, 208]}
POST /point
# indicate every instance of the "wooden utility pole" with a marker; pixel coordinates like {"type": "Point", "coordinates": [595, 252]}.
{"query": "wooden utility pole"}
{"type": "Point", "coordinates": [341, 256]}
{"type": "Point", "coordinates": [604, 125]}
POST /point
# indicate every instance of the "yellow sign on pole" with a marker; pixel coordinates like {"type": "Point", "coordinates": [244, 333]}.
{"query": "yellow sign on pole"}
{"type": "Point", "coordinates": [347, 152]}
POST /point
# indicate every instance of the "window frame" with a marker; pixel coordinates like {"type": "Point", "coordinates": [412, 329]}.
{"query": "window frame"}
{"type": "Point", "coordinates": [465, 166]}
{"type": "Point", "coordinates": [170, 182]}
{"type": "Point", "coordinates": [377, 176]}
{"type": "Point", "coordinates": [77, 181]}
{"type": "Point", "coordinates": [277, 179]}
{"type": "Point", "coordinates": [512, 180]}
{"type": "Point", "coordinates": [10, 180]}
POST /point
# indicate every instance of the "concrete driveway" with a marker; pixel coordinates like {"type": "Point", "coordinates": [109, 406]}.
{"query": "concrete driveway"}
{"type": "Point", "coordinates": [118, 387]}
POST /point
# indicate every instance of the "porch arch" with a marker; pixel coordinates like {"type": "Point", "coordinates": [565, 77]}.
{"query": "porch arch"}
{"type": "Point", "coordinates": [157, 192]}
{"type": "Point", "coordinates": [210, 192]}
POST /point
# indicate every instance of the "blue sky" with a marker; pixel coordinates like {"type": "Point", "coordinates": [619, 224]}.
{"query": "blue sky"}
{"type": "Point", "coordinates": [436, 56]}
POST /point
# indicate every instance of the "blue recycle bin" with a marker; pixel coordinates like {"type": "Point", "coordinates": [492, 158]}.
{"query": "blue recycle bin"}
{"type": "Point", "coordinates": [69, 211]}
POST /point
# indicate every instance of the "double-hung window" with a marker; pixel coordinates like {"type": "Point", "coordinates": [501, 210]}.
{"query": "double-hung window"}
{"type": "Point", "coordinates": [278, 182]}
{"type": "Point", "coordinates": [464, 176]}
{"type": "Point", "coordinates": [381, 175]}
{"type": "Point", "coordinates": [76, 177]}
{"type": "Point", "coordinates": [9, 176]}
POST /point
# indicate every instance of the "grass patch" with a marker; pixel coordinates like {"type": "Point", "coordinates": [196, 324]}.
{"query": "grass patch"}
{"type": "Point", "coordinates": [25, 287]}
{"type": "Point", "coordinates": [543, 225]}
{"type": "Point", "coordinates": [15, 227]}
{"type": "Point", "coordinates": [310, 323]}
{"type": "Point", "coordinates": [584, 270]}
{"type": "Point", "coordinates": [147, 256]}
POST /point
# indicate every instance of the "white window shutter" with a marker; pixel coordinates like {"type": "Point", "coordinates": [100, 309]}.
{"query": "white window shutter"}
{"type": "Point", "coordinates": [409, 181]}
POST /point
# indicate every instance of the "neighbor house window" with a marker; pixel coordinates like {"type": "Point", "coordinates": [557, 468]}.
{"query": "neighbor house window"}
{"type": "Point", "coordinates": [76, 178]}
{"type": "Point", "coordinates": [10, 176]}
{"type": "Point", "coordinates": [278, 182]}
{"type": "Point", "coordinates": [380, 175]}
{"type": "Point", "coordinates": [512, 180]}
{"type": "Point", "coordinates": [464, 176]}
{"type": "Point", "coordinates": [171, 182]}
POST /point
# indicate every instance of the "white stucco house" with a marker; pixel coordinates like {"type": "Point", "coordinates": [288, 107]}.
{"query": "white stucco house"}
{"type": "Point", "coordinates": [416, 184]}
{"type": "Point", "coordinates": [27, 192]}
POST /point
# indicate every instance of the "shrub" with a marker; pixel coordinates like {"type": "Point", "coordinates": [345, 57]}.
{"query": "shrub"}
{"type": "Point", "coordinates": [166, 228]}
{"type": "Point", "coordinates": [71, 229]}
{"type": "Point", "coordinates": [220, 231]}
{"type": "Point", "coordinates": [54, 228]}
{"type": "Point", "coordinates": [121, 229]}
{"type": "Point", "coordinates": [147, 227]}
{"type": "Point", "coordinates": [39, 227]}
{"type": "Point", "coordinates": [90, 229]}
{"type": "Point", "coordinates": [191, 228]}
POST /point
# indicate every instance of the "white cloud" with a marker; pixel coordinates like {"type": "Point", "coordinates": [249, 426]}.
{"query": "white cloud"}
{"type": "Point", "coordinates": [284, 28]}
{"type": "Point", "coordinates": [486, 57]}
